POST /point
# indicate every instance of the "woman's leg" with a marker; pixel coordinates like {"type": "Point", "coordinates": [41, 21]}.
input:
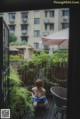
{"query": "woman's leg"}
{"type": "Point", "coordinates": [35, 105]}
{"type": "Point", "coordinates": [46, 102]}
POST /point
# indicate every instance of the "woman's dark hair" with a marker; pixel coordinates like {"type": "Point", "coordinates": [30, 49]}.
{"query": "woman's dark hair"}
{"type": "Point", "coordinates": [39, 82]}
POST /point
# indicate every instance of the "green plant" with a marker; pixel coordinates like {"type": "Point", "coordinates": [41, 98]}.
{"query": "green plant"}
{"type": "Point", "coordinates": [20, 96]}
{"type": "Point", "coordinates": [17, 43]}
{"type": "Point", "coordinates": [60, 56]}
{"type": "Point", "coordinates": [12, 38]}
{"type": "Point", "coordinates": [15, 58]}
{"type": "Point", "coordinates": [50, 68]}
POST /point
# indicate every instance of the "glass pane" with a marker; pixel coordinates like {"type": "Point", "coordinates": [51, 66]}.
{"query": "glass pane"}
{"type": "Point", "coordinates": [24, 15]}
{"type": "Point", "coordinates": [5, 35]}
{"type": "Point", "coordinates": [36, 20]}
{"type": "Point", "coordinates": [65, 13]}
{"type": "Point", "coordinates": [50, 67]}
{"type": "Point", "coordinates": [11, 15]}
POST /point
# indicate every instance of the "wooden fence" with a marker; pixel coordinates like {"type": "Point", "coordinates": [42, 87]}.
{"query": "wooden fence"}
{"type": "Point", "coordinates": [53, 74]}
{"type": "Point", "coordinates": [57, 72]}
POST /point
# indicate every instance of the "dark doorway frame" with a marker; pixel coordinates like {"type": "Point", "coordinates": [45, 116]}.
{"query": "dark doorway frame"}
{"type": "Point", "coordinates": [74, 48]}
{"type": "Point", "coordinates": [4, 66]}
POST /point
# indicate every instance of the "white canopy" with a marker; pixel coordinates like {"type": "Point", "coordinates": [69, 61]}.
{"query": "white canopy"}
{"type": "Point", "coordinates": [26, 54]}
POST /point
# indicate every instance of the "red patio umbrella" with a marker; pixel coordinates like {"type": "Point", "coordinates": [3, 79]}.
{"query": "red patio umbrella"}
{"type": "Point", "coordinates": [57, 38]}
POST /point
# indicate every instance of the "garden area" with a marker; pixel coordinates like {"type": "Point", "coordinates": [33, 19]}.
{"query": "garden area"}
{"type": "Point", "coordinates": [52, 69]}
{"type": "Point", "coordinates": [19, 75]}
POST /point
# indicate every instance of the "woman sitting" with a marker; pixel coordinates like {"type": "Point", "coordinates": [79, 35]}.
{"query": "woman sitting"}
{"type": "Point", "coordinates": [39, 95]}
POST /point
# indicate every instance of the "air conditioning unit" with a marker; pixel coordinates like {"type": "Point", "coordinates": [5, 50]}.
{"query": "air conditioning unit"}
{"type": "Point", "coordinates": [12, 31]}
{"type": "Point", "coordinates": [65, 18]}
{"type": "Point", "coordinates": [12, 20]}
{"type": "Point", "coordinates": [24, 31]}
{"type": "Point", "coordinates": [24, 19]}
{"type": "Point", "coordinates": [45, 33]}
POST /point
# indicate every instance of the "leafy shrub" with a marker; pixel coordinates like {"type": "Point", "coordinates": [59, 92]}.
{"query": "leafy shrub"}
{"type": "Point", "coordinates": [60, 56]}
{"type": "Point", "coordinates": [12, 38]}
{"type": "Point", "coordinates": [17, 43]}
{"type": "Point", "coordinates": [20, 97]}
{"type": "Point", "coordinates": [15, 58]}
{"type": "Point", "coordinates": [50, 68]}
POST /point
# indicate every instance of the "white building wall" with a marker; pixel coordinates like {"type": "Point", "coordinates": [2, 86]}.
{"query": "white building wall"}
{"type": "Point", "coordinates": [57, 20]}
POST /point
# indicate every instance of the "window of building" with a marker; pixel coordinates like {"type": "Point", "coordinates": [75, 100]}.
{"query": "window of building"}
{"type": "Point", "coordinates": [46, 47]}
{"type": "Point", "coordinates": [36, 33]}
{"type": "Point", "coordinates": [36, 45]}
{"type": "Point", "coordinates": [1, 14]}
{"type": "Point", "coordinates": [24, 27]}
{"type": "Point", "coordinates": [46, 26]}
{"type": "Point", "coordinates": [65, 12]}
{"type": "Point", "coordinates": [51, 13]}
{"type": "Point", "coordinates": [46, 13]}
{"type": "Point", "coordinates": [36, 20]}
{"type": "Point", "coordinates": [24, 15]}
{"type": "Point", "coordinates": [12, 28]}
{"type": "Point", "coordinates": [65, 25]}
{"type": "Point", "coordinates": [12, 15]}
{"type": "Point", "coordinates": [49, 26]}
{"type": "Point", "coordinates": [24, 38]}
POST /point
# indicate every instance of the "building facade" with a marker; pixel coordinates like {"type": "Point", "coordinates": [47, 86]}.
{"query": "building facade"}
{"type": "Point", "coordinates": [32, 25]}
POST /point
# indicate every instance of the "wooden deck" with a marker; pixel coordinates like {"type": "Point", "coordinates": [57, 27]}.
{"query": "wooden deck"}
{"type": "Point", "coordinates": [46, 114]}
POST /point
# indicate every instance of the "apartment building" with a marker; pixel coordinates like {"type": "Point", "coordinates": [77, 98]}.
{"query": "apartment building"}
{"type": "Point", "coordinates": [32, 25]}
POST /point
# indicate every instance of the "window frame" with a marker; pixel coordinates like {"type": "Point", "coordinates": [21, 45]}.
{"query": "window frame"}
{"type": "Point", "coordinates": [74, 58]}
{"type": "Point", "coordinates": [25, 14]}
{"type": "Point", "coordinates": [24, 37]}
{"type": "Point", "coordinates": [36, 21]}
{"type": "Point", "coordinates": [24, 27]}
{"type": "Point", "coordinates": [36, 45]}
{"type": "Point", "coordinates": [12, 16]}
{"type": "Point", "coordinates": [13, 30]}
{"type": "Point", "coordinates": [65, 25]}
{"type": "Point", "coordinates": [51, 13]}
{"type": "Point", "coordinates": [65, 13]}
{"type": "Point", "coordinates": [36, 33]}
{"type": "Point", "coordinates": [51, 26]}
